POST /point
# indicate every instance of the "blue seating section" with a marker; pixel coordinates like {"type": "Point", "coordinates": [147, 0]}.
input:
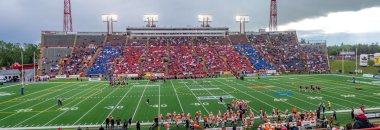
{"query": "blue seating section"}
{"type": "Point", "coordinates": [103, 64]}
{"type": "Point", "coordinates": [257, 60]}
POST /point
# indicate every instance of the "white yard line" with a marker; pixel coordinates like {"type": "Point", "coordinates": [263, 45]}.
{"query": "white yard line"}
{"type": "Point", "coordinates": [245, 93]}
{"type": "Point", "coordinates": [231, 95]}
{"type": "Point", "coordinates": [30, 100]}
{"type": "Point", "coordinates": [73, 105]}
{"type": "Point", "coordinates": [348, 100]}
{"type": "Point", "coordinates": [120, 101]}
{"type": "Point", "coordinates": [140, 101]}
{"type": "Point", "coordinates": [175, 91]}
{"type": "Point", "coordinates": [35, 105]}
{"type": "Point", "coordinates": [342, 84]}
{"type": "Point", "coordinates": [95, 106]}
{"type": "Point", "coordinates": [292, 105]}
{"type": "Point", "coordinates": [286, 89]}
{"type": "Point", "coordinates": [9, 86]}
{"type": "Point", "coordinates": [197, 99]}
{"type": "Point", "coordinates": [48, 108]}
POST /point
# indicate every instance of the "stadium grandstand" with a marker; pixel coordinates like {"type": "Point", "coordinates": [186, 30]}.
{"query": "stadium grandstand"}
{"type": "Point", "coordinates": [179, 52]}
{"type": "Point", "coordinates": [193, 78]}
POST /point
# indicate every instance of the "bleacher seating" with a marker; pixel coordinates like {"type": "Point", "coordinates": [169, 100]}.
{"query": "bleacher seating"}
{"type": "Point", "coordinates": [235, 61]}
{"type": "Point", "coordinates": [116, 40]}
{"type": "Point", "coordinates": [104, 63]}
{"type": "Point", "coordinates": [238, 39]}
{"type": "Point", "coordinates": [154, 58]}
{"type": "Point", "coordinates": [59, 40]}
{"type": "Point", "coordinates": [257, 60]}
{"type": "Point", "coordinates": [181, 55]}
{"type": "Point", "coordinates": [78, 61]}
{"type": "Point", "coordinates": [85, 40]}
{"type": "Point", "coordinates": [316, 58]}
{"type": "Point", "coordinates": [285, 54]}
{"type": "Point", "coordinates": [51, 59]}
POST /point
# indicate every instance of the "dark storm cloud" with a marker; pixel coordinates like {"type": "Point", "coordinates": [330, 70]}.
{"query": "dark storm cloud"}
{"type": "Point", "coordinates": [22, 20]}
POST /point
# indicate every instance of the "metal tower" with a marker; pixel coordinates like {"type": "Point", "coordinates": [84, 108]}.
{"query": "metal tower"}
{"type": "Point", "coordinates": [67, 19]}
{"type": "Point", "coordinates": [273, 16]}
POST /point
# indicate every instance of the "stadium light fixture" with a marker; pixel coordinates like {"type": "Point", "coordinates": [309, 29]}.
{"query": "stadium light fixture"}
{"type": "Point", "coordinates": [150, 19]}
{"type": "Point", "coordinates": [109, 18]}
{"type": "Point", "coordinates": [242, 20]}
{"type": "Point", "coordinates": [205, 19]}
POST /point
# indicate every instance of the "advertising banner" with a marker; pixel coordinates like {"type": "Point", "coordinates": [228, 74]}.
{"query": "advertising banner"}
{"type": "Point", "coordinates": [363, 60]}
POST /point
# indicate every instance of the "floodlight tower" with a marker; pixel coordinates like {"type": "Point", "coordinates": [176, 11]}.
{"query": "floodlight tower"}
{"type": "Point", "coordinates": [242, 20]}
{"type": "Point", "coordinates": [67, 19]}
{"type": "Point", "coordinates": [273, 16]}
{"type": "Point", "coordinates": [205, 19]}
{"type": "Point", "coordinates": [150, 19]}
{"type": "Point", "coordinates": [110, 19]}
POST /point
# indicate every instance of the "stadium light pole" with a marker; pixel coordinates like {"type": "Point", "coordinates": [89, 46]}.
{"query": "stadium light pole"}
{"type": "Point", "coordinates": [110, 19]}
{"type": "Point", "coordinates": [242, 20]}
{"type": "Point", "coordinates": [150, 19]}
{"type": "Point", "coordinates": [205, 19]}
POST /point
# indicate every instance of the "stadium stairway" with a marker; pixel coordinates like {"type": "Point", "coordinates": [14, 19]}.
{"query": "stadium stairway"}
{"type": "Point", "coordinates": [91, 63]}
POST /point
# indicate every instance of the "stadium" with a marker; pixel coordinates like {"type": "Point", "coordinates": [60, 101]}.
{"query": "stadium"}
{"type": "Point", "coordinates": [203, 77]}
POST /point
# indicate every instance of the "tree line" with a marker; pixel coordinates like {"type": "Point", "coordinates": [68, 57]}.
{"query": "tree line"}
{"type": "Point", "coordinates": [362, 48]}
{"type": "Point", "coordinates": [11, 53]}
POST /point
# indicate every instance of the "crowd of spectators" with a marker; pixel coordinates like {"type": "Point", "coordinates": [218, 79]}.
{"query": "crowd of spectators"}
{"type": "Point", "coordinates": [78, 61]}
{"type": "Point", "coordinates": [258, 61]}
{"type": "Point", "coordinates": [104, 63]}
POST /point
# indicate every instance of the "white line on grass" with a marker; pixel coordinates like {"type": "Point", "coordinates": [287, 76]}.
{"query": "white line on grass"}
{"type": "Point", "coordinates": [231, 95]}
{"type": "Point", "coordinates": [285, 89]}
{"type": "Point", "coordinates": [9, 86]}
{"type": "Point", "coordinates": [30, 99]}
{"type": "Point", "coordinates": [118, 103]}
{"type": "Point", "coordinates": [343, 99]}
{"type": "Point", "coordinates": [35, 105]}
{"type": "Point", "coordinates": [73, 105]}
{"type": "Point", "coordinates": [95, 106]}
{"type": "Point", "coordinates": [139, 101]}
{"type": "Point", "coordinates": [324, 95]}
{"type": "Point", "coordinates": [48, 108]}
{"type": "Point", "coordinates": [348, 91]}
{"type": "Point", "coordinates": [175, 91]}
{"type": "Point", "coordinates": [246, 94]}
{"type": "Point", "coordinates": [272, 97]}
{"type": "Point", "coordinates": [197, 98]}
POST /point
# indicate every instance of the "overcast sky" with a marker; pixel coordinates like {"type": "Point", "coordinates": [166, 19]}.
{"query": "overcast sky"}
{"type": "Point", "coordinates": [337, 21]}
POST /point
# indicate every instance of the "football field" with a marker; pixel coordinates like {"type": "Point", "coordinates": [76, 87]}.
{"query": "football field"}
{"type": "Point", "coordinates": [89, 103]}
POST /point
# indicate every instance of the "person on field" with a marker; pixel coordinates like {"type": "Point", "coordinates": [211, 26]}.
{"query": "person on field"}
{"type": "Point", "coordinates": [362, 107]}
{"type": "Point", "coordinates": [138, 125]}
{"type": "Point", "coordinates": [147, 101]}
{"type": "Point", "coordinates": [60, 102]}
{"type": "Point", "coordinates": [112, 123]}
{"type": "Point", "coordinates": [118, 122]}
{"type": "Point", "coordinates": [329, 105]}
{"type": "Point", "coordinates": [101, 127]}
{"type": "Point", "coordinates": [125, 124]}
{"type": "Point", "coordinates": [129, 122]}
{"type": "Point", "coordinates": [108, 122]}
{"type": "Point", "coordinates": [334, 115]}
{"type": "Point", "coordinates": [361, 120]}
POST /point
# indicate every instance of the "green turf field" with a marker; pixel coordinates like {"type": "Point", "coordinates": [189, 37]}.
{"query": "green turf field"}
{"type": "Point", "coordinates": [89, 103]}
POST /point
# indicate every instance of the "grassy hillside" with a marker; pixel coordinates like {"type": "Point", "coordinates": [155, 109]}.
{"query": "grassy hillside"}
{"type": "Point", "coordinates": [349, 66]}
